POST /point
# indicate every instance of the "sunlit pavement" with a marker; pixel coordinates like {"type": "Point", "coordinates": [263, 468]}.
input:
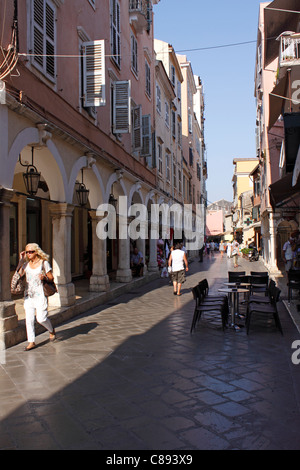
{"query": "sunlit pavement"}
{"type": "Point", "coordinates": [130, 376]}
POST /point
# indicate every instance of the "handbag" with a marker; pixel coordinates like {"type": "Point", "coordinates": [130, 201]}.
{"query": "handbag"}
{"type": "Point", "coordinates": [17, 285]}
{"type": "Point", "coordinates": [49, 287]}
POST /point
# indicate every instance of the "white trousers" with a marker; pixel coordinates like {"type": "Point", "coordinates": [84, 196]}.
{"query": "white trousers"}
{"type": "Point", "coordinates": [41, 317]}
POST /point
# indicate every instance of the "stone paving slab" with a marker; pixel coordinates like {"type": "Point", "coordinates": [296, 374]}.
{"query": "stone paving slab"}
{"type": "Point", "coordinates": [130, 376]}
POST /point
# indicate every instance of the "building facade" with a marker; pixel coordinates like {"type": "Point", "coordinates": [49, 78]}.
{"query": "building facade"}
{"type": "Point", "coordinates": [242, 184]}
{"type": "Point", "coordinates": [277, 125]}
{"type": "Point", "coordinates": [78, 113]}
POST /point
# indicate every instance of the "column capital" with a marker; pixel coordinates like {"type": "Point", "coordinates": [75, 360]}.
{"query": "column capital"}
{"type": "Point", "coordinates": [93, 215]}
{"type": "Point", "coordinates": [61, 209]}
{"type": "Point", "coordinates": [6, 195]}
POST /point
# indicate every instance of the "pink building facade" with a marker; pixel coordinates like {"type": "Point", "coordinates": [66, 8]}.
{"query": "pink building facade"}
{"type": "Point", "coordinates": [77, 103]}
{"type": "Point", "coordinates": [214, 223]}
{"type": "Point", "coordinates": [278, 138]}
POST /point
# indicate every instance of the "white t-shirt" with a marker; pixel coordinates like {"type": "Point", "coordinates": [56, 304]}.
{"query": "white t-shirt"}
{"type": "Point", "coordinates": [34, 286]}
{"type": "Point", "coordinates": [177, 260]}
{"type": "Point", "coordinates": [288, 252]}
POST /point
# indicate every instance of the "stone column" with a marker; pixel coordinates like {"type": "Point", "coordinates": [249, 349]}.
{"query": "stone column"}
{"type": "Point", "coordinates": [124, 273]}
{"type": "Point", "coordinates": [141, 244]}
{"type": "Point", "coordinates": [61, 224]}
{"type": "Point", "coordinates": [273, 268]}
{"type": "Point", "coordinates": [8, 317]}
{"type": "Point", "coordinates": [99, 281]}
{"type": "Point", "coordinates": [153, 266]}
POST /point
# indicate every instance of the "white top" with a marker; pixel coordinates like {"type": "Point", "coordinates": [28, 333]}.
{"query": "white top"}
{"type": "Point", "coordinates": [288, 252]}
{"type": "Point", "coordinates": [34, 286]}
{"type": "Point", "coordinates": [177, 260]}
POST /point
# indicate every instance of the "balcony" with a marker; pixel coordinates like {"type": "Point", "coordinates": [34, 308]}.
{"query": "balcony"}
{"type": "Point", "coordinates": [139, 14]}
{"type": "Point", "coordinates": [289, 49]}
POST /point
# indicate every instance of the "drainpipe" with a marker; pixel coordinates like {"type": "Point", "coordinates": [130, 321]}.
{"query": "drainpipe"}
{"type": "Point", "coordinates": [15, 25]}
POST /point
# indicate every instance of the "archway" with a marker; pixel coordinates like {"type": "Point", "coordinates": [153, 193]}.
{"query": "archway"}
{"type": "Point", "coordinates": [30, 218]}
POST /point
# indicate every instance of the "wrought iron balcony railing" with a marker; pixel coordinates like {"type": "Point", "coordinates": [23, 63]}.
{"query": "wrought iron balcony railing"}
{"type": "Point", "coordinates": [140, 14]}
{"type": "Point", "coordinates": [289, 50]}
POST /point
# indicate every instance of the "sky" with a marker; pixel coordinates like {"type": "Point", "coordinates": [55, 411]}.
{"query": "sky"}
{"type": "Point", "coordinates": [227, 74]}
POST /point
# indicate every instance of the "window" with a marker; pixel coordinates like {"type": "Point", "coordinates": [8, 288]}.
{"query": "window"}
{"type": "Point", "coordinates": [146, 135]}
{"type": "Point", "coordinates": [158, 99]}
{"type": "Point", "coordinates": [191, 157]}
{"type": "Point", "coordinates": [137, 128]}
{"type": "Point", "coordinates": [174, 175]}
{"type": "Point", "coordinates": [121, 108]}
{"type": "Point", "coordinates": [148, 79]}
{"type": "Point", "coordinates": [179, 90]}
{"type": "Point", "coordinates": [167, 114]}
{"type": "Point", "coordinates": [115, 28]}
{"type": "Point", "coordinates": [93, 55]}
{"type": "Point", "coordinates": [179, 133]}
{"type": "Point", "coordinates": [44, 37]}
{"type": "Point", "coordinates": [179, 180]}
{"type": "Point", "coordinates": [168, 170]}
{"type": "Point", "coordinates": [190, 123]}
{"type": "Point", "coordinates": [134, 55]}
{"type": "Point", "coordinates": [174, 124]}
{"type": "Point", "coordinates": [173, 76]}
{"type": "Point", "coordinates": [159, 156]}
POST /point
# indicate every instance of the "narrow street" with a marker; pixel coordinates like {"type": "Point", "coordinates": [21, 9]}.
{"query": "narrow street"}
{"type": "Point", "coordinates": [130, 376]}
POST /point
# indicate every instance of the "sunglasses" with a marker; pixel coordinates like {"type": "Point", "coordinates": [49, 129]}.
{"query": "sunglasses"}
{"type": "Point", "coordinates": [30, 252]}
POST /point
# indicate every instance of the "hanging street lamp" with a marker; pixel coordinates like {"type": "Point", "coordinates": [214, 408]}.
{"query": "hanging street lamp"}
{"type": "Point", "coordinates": [31, 176]}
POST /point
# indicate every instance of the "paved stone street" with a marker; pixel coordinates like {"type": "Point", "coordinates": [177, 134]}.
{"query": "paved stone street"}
{"type": "Point", "coordinates": [130, 376]}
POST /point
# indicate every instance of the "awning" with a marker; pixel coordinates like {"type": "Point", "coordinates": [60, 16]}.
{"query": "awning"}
{"type": "Point", "coordinates": [292, 139]}
{"type": "Point", "coordinates": [277, 100]}
{"type": "Point", "coordinates": [283, 191]}
{"type": "Point", "coordinates": [296, 169]}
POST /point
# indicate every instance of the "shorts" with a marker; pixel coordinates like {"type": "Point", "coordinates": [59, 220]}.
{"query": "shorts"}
{"type": "Point", "coordinates": [178, 276]}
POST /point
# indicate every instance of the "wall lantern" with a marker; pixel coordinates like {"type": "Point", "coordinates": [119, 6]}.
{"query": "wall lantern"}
{"type": "Point", "coordinates": [31, 176]}
{"type": "Point", "coordinates": [81, 192]}
{"type": "Point", "coordinates": [112, 200]}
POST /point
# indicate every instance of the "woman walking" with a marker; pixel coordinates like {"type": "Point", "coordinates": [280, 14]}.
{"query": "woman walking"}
{"type": "Point", "coordinates": [222, 248]}
{"type": "Point", "coordinates": [36, 268]}
{"type": "Point", "coordinates": [235, 252]}
{"type": "Point", "coordinates": [177, 260]}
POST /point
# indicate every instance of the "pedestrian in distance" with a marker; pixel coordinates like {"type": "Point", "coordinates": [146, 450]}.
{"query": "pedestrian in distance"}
{"type": "Point", "coordinates": [177, 262]}
{"type": "Point", "coordinates": [137, 262]}
{"type": "Point", "coordinates": [207, 248]}
{"type": "Point", "coordinates": [289, 253]}
{"type": "Point", "coordinates": [235, 253]}
{"type": "Point", "coordinates": [36, 268]}
{"type": "Point", "coordinates": [222, 248]}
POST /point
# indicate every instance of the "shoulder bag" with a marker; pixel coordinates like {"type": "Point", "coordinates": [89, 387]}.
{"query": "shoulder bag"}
{"type": "Point", "coordinates": [17, 285]}
{"type": "Point", "coordinates": [49, 287]}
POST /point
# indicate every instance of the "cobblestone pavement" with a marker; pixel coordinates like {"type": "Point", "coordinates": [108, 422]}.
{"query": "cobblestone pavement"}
{"type": "Point", "coordinates": [130, 376]}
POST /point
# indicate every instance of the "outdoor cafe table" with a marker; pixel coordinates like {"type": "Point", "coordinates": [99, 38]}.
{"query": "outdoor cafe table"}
{"type": "Point", "coordinates": [233, 293]}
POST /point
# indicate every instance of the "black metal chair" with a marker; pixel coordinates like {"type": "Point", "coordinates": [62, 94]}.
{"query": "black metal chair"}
{"type": "Point", "coordinates": [264, 299]}
{"type": "Point", "coordinates": [234, 275]}
{"type": "Point", "coordinates": [259, 273]}
{"type": "Point", "coordinates": [205, 303]}
{"type": "Point", "coordinates": [265, 309]}
{"type": "Point", "coordinates": [259, 284]}
{"type": "Point", "coordinates": [203, 285]}
{"type": "Point", "coordinates": [293, 282]}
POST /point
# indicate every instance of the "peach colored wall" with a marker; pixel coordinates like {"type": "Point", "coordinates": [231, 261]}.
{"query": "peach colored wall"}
{"type": "Point", "coordinates": [214, 223]}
